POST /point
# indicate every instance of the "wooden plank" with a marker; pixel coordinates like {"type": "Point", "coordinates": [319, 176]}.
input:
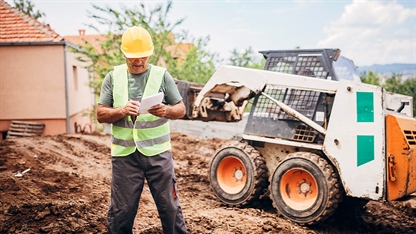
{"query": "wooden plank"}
{"type": "Point", "coordinates": [25, 128]}
{"type": "Point", "coordinates": [31, 125]}
{"type": "Point", "coordinates": [40, 131]}
{"type": "Point", "coordinates": [21, 134]}
{"type": "Point", "coordinates": [26, 122]}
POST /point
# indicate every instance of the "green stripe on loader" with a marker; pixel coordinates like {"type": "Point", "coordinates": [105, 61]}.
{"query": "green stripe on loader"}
{"type": "Point", "coordinates": [365, 107]}
{"type": "Point", "coordinates": [365, 149]}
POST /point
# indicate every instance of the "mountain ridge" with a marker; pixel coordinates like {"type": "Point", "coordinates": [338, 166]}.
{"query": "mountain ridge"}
{"type": "Point", "coordinates": [406, 69]}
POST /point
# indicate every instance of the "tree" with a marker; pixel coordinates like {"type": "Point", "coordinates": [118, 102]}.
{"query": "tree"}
{"type": "Point", "coordinates": [394, 84]}
{"type": "Point", "coordinates": [370, 78]}
{"type": "Point", "coordinates": [27, 7]}
{"type": "Point", "coordinates": [246, 58]}
{"type": "Point", "coordinates": [196, 65]}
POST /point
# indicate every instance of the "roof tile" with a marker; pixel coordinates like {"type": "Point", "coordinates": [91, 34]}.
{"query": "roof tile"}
{"type": "Point", "coordinates": [16, 26]}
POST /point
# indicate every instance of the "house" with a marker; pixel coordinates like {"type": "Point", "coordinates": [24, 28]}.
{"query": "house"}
{"type": "Point", "coordinates": [40, 78]}
{"type": "Point", "coordinates": [82, 38]}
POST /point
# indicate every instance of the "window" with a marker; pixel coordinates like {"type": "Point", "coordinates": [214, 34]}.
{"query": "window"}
{"type": "Point", "coordinates": [75, 74]}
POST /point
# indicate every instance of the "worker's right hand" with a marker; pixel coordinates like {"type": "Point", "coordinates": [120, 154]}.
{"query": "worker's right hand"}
{"type": "Point", "coordinates": [131, 108]}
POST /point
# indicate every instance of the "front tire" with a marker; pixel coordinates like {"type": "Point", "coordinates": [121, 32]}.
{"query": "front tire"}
{"type": "Point", "coordinates": [238, 174]}
{"type": "Point", "coordinates": [305, 188]}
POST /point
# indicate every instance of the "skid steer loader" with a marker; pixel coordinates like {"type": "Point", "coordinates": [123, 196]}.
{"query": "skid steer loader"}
{"type": "Point", "coordinates": [315, 134]}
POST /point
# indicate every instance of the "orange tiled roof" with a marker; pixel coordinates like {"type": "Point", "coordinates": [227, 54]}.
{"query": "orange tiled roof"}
{"type": "Point", "coordinates": [179, 50]}
{"type": "Point", "coordinates": [16, 26]}
{"type": "Point", "coordinates": [81, 39]}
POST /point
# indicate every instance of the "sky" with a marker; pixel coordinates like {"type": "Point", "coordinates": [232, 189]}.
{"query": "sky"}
{"type": "Point", "coordinates": [367, 31]}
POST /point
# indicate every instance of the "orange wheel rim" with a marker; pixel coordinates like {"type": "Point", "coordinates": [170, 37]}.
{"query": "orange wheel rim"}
{"type": "Point", "coordinates": [231, 175]}
{"type": "Point", "coordinates": [298, 189]}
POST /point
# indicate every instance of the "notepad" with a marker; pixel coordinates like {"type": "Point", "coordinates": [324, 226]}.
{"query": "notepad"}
{"type": "Point", "coordinates": [148, 102]}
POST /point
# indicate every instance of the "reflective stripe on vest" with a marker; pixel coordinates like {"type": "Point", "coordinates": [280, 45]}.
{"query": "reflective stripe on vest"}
{"type": "Point", "coordinates": [149, 134]}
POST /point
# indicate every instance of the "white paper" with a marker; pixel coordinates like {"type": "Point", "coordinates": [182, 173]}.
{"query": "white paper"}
{"type": "Point", "coordinates": [150, 101]}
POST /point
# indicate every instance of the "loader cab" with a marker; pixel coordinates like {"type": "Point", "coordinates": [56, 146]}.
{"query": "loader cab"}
{"type": "Point", "coordinates": [267, 120]}
{"type": "Point", "coordinates": [319, 63]}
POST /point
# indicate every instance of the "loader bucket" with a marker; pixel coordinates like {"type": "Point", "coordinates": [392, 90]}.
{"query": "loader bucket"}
{"type": "Point", "coordinates": [401, 156]}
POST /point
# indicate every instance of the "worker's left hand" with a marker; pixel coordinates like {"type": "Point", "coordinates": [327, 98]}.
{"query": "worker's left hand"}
{"type": "Point", "coordinates": [158, 110]}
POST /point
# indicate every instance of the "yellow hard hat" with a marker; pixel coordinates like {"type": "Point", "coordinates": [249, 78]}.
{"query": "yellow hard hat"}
{"type": "Point", "coordinates": [136, 43]}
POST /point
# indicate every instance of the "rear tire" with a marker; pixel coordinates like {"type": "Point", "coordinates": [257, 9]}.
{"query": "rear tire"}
{"type": "Point", "coordinates": [238, 174]}
{"type": "Point", "coordinates": [305, 188]}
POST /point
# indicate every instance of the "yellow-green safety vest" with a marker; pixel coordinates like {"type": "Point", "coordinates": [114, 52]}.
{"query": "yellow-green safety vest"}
{"type": "Point", "coordinates": [149, 134]}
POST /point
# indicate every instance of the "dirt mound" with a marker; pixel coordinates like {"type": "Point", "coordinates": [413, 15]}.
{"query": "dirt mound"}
{"type": "Point", "coordinates": [66, 190]}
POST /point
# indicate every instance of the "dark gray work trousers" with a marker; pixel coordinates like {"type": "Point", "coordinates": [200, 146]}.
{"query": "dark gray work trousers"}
{"type": "Point", "coordinates": [128, 175]}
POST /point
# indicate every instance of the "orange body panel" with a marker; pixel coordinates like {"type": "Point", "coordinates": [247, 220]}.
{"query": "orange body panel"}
{"type": "Point", "coordinates": [401, 156]}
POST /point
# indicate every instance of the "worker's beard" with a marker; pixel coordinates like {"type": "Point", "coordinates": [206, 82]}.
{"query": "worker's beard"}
{"type": "Point", "coordinates": [136, 68]}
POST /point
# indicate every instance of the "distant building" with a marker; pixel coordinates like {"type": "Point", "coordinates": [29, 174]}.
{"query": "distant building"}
{"type": "Point", "coordinates": [178, 50]}
{"type": "Point", "coordinates": [40, 79]}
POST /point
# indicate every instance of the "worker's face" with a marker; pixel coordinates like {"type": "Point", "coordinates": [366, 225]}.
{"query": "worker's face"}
{"type": "Point", "coordinates": [137, 65]}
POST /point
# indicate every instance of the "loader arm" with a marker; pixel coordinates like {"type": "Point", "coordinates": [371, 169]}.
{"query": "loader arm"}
{"type": "Point", "coordinates": [225, 96]}
{"type": "Point", "coordinates": [296, 114]}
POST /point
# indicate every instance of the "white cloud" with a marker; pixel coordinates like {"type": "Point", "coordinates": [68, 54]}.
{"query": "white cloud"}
{"type": "Point", "coordinates": [244, 32]}
{"type": "Point", "coordinates": [372, 32]}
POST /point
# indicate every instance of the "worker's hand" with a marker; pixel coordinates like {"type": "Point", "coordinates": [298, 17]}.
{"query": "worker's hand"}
{"type": "Point", "coordinates": [158, 110]}
{"type": "Point", "coordinates": [131, 108]}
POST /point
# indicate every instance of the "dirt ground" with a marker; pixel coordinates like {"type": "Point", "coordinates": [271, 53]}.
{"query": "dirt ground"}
{"type": "Point", "coordinates": [67, 188]}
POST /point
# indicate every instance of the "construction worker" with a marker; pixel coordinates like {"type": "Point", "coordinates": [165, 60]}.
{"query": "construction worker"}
{"type": "Point", "coordinates": [141, 147]}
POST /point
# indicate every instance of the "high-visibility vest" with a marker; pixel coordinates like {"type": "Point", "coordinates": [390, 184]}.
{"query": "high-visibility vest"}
{"type": "Point", "coordinates": [149, 134]}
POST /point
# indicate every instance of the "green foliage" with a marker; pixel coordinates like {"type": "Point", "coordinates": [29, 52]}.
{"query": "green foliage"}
{"type": "Point", "coordinates": [370, 78]}
{"type": "Point", "coordinates": [197, 65]}
{"type": "Point", "coordinates": [27, 7]}
{"type": "Point", "coordinates": [246, 58]}
{"type": "Point", "coordinates": [394, 84]}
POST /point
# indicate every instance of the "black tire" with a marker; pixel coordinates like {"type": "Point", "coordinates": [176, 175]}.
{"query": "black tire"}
{"type": "Point", "coordinates": [238, 174]}
{"type": "Point", "coordinates": [305, 188]}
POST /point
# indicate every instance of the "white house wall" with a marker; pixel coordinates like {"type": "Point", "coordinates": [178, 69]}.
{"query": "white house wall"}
{"type": "Point", "coordinates": [80, 95]}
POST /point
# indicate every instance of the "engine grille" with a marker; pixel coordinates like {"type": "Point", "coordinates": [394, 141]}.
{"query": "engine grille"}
{"type": "Point", "coordinates": [304, 133]}
{"type": "Point", "coordinates": [410, 137]}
